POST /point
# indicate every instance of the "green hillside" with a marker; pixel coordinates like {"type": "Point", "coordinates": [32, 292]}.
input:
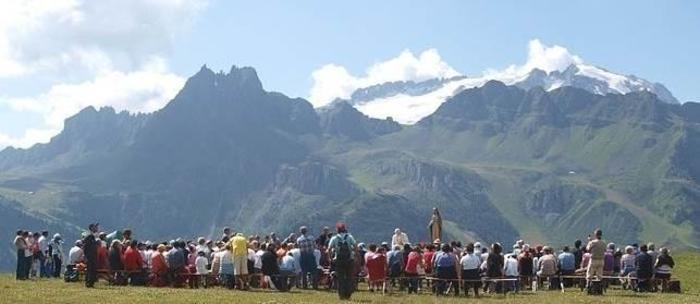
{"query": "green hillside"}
{"type": "Point", "coordinates": [501, 163]}
{"type": "Point", "coordinates": [56, 291]}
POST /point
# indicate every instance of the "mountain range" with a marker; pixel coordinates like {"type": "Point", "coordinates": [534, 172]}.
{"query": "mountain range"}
{"type": "Point", "coordinates": [408, 102]}
{"type": "Point", "coordinates": [547, 159]}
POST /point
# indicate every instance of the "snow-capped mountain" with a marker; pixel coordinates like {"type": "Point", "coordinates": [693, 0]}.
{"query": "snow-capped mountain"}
{"type": "Point", "coordinates": [407, 102]}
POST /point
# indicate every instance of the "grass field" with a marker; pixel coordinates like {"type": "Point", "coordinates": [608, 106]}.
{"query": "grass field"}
{"type": "Point", "coordinates": [56, 291]}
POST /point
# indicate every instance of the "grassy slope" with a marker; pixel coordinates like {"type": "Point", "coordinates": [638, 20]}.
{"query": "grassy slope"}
{"type": "Point", "coordinates": [55, 291]}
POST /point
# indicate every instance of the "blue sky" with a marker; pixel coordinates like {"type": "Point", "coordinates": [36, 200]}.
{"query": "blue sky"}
{"type": "Point", "coordinates": [134, 55]}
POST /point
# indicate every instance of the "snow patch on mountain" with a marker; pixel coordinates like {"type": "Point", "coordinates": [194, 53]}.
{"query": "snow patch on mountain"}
{"type": "Point", "coordinates": [408, 97]}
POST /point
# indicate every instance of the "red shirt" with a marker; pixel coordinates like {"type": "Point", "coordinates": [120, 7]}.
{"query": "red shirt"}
{"type": "Point", "coordinates": [414, 259]}
{"type": "Point", "coordinates": [132, 259]}
{"type": "Point", "coordinates": [102, 257]}
{"type": "Point", "coordinates": [428, 261]}
{"type": "Point", "coordinates": [158, 264]}
{"type": "Point", "coordinates": [376, 266]}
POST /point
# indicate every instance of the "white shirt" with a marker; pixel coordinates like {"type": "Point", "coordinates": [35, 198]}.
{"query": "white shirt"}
{"type": "Point", "coordinates": [57, 249]}
{"type": "Point", "coordinates": [296, 254]}
{"type": "Point", "coordinates": [400, 239]}
{"type": "Point", "coordinates": [251, 255]}
{"type": "Point", "coordinates": [75, 255]}
{"type": "Point", "coordinates": [258, 259]}
{"type": "Point", "coordinates": [43, 244]}
{"type": "Point", "coordinates": [149, 258]}
{"type": "Point", "coordinates": [317, 255]}
{"type": "Point", "coordinates": [28, 252]}
{"type": "Point", "coordinates": [205, 248]}
{"type": "Point", "coordinates": [510, 266]}
{"type": "Point", "coordinates": [201, 265]}
{"type": "Point", "coordinates": [470, 261]}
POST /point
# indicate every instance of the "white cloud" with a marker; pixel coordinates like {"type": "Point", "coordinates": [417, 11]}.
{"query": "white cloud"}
{"type": "Point", "coordinates": [333, 81]}
{"type": "Point", "coordinates": [29, 138]}
{"type": "Point", "coordinates": [88, 36]}
{"type": "Point", "coordinates": [539, 56]}
{"type": "Point", "coordinates": [100, 53]}
{"type": "Point", "coordinates": [145, 90]}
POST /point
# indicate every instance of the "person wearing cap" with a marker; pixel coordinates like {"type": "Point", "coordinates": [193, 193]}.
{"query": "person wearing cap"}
{"type": "Point", "coordinates": [90, 243]}
{"type": "Point", "coordinates": [343, 268]}
{"type": "Point", "coordinates": [56, 250]}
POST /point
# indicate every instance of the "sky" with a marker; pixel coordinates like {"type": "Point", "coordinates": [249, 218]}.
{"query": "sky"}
{"type": "Point", "coordinates": [59, 56]}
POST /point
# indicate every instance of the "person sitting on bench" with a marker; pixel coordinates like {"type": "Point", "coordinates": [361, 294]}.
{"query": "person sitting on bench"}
{"type": "Point", "coordinates": [645, 269]}
{"type": "Point", "coordinates": [663, 267]}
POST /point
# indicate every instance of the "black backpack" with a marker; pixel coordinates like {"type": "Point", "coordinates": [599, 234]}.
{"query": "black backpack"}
{"type": "Point", "coordinates": [343, 254]}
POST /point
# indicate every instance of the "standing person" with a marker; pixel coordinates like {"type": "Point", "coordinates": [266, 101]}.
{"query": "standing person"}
{"type": "Point", "coordinates": [226, 234]}
{"type": "Point", "coordinates": [494, 265]}
{"type": "Point", "coordinates": [510, 269]}
{"type": "Point", "coordinates": [307, 262]}
{"type": "Point", "coordinates": [43, 254]}
{"type": "Point", "coordinates": [20, 247]}
{"type": "Point", "coordinates": [399, 238]}
{"type": "Point", "coordinates": [395, 262]}
{"type": "Point", "coordinates": [239, 248]}
{"type": "Point", "coordinates": [33, 244]}
{"type": "Point", "coordinates": [341, 250]}
{"type": "Point", "coordinates": [470, 263]}
{"type": "Point", "coordinates": [200, 264]}
{"type": "Point", "coordinates": [56, 249]}
{"type": "Point", "coordinates": [324, 237]}
{"type": "Point", "coordinates": [596, 247]}
{"type": "Point", "coordinates": [90, 243]}
{"type": "Point", "coordinates": [227, 270]}
{"type": "Point", "coordinates": [413, 263]}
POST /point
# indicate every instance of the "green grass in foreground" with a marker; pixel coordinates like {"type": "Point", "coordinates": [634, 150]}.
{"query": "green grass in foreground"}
{"type": "Point", "coordinates": [56, 291]}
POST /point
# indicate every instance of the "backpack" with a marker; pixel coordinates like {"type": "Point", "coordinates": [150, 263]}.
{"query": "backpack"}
{"type": "Point", "coordinates": [343, 254]}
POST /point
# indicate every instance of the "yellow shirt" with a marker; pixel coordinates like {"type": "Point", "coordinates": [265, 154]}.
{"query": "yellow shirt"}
{"type": "Point", "coordinates": [239, 245]}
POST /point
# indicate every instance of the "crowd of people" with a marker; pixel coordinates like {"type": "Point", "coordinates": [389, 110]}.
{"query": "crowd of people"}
{"type": "Point", "coordinates": [335, 260]}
